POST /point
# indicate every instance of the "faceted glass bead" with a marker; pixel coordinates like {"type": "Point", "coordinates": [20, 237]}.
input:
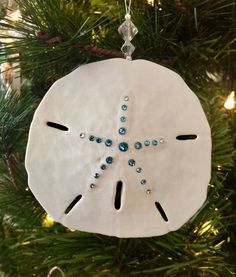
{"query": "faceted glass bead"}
{"type": "Point", "coordinates": [82, 135]}
{"type": "Point", "coordinates": [124, 107]}
{"type": "Point", "coordinates": [138, 145]}
{"type": "Point", "coordinates": [146, 142]}
{"type": "Point", "coordinates": [139, 170]}
{"type": "Point", "coordinates": [123, 119]}
{"type": "Point", "coordinates": [109, 160]}
{"type": "Point", "coordinates": [131, 162]}
{"type": "Point", "coordinates": [122, 131]}
{"type": "Point", "coordinates": [98, 140]}
{"type": "Point", "coordinates": [154, 142]}
{"type": "Point", "coordinates": [162, 140]}
{"type": "Point", "coordinates": [128, 30]}
{"type": "Point", "coordinates": [91, 138]}
{"type": "Point", "coordinates": [103, 167]}
{"type": "Point", "coordinates": [123, 146]}
{"type": "Point", "coordinates": [92, 186]}
{"type": "Point", "coordinates": [148, 191]}
{"type": "Point", "coordinates": [127, 48]}
{"type": "Point", "coordinates": [143, 182]}
{"type": "Point", "coordinates": [96, 175]}
{"type": "Point", "coordinates": [108, 142]}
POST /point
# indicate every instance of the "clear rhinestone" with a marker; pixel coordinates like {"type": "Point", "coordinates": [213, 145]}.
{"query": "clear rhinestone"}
{"type": "Point", "coordinates": [82, 135]}
{"type": "Point", "coordinates": [139, 170]}
{"type": "Point", "coordinates": [131, 162]}
{"type": "Point", "coordinates": [92, 186]}
{"type": "Point", "coordinates": [128, 49]}
{"type": "Point", "coordinates": [148, 191]}
{"type": "Point", "coordinates": [161, 140]}
{"type": "Point", "coordinates": [143, 182]}
{"type": "Point", "coordinates": [127, 30]}
{"type": "Point", "coordinates": [126, 98]}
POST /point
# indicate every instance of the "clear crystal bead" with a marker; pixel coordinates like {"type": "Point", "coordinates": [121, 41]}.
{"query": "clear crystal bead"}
{"type": "Point", "coordinates": [128, 48]}
{"type": "Point", "coordinates": [128, 30]}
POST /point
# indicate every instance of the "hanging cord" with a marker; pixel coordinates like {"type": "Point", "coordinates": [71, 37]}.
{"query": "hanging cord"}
{"type": "Point", "coordinates": [127, 6]}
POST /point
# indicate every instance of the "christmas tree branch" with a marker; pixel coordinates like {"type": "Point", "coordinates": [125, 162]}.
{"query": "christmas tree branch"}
{"type": "Point", "coordinates": [10, 166]}
{"type": "Point", "coordinates": [100, 51]}
{"type": "Point", "coordinates": [90, 48]}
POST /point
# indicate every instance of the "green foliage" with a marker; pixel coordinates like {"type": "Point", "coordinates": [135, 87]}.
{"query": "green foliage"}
{"type": "Point", "coordinates": [51, 41]}
{"type": "Point", "coordinates": [16, 112]}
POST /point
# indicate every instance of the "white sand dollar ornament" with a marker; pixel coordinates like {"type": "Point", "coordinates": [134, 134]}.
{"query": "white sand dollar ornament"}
{"type": "Point", "coordinates": [121, 148]}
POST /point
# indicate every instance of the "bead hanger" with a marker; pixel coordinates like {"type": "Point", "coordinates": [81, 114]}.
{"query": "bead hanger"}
{"type": "Point", "coordinates": [128, 31]}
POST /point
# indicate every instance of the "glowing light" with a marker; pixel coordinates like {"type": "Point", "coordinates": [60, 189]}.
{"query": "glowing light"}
{"type": "Point", "coordinates": [151, 2]}
{"type": "Point", "coordinates": [15, 16]}
{"type": "Point", "coordinates": [25, 243]}
{"type": "Point", "coordinates": [71, 230]}
{"type": "Point", "coordinates": [208, 227]}
{"type": "Point", "coordinates": [230, 101]}
{"type": "Point", "coordinates": [219, 245]}
{"type": "Point", "coordinates": [219, 167]}
{"type": "Point", "coordinates": [198, 254]}
{"type": "Point", "coordinates": [47, 221]}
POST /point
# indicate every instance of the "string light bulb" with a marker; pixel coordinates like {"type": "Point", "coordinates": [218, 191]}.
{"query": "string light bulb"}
{"type": "Point", "coordinates": [15, 16]}
{"type": "Point", "coordinates": [150, 2]}
{"type": "Point", "coordinates": [47, 221]}
{"type": "Point", "coordinates": [230, 101]}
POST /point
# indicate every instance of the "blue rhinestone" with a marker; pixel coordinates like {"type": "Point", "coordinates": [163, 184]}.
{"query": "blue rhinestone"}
{"type": "Point", "coordinates": [123, 119]}
{"type": "Point", "coordinates": [139, 170]}
{"type": "Point", "coordinates": [155, 142]}
{"type": "Point", "coordinates": [91, 138]}
{"type": "Point", "coordinates": [124, 107]}
{"type": "Point", "coordinates": [98, 140]}
{"type": "Point", "coordinates": [122, 131]}
{"type": "Point", "coordinates": [131, 162]}
{"type": "Point", "coordinates": [138, 145]}
{"type": "Point", "coordinates": [143, 182]}
{"type": "Point", "coordinates": [96, 175]}
{"type": "Point", "coordinates": [109, 160]}
{"type": "Point", "coordinates": [123, 146]}
{"type": "Point", "coordinates": [108, 142]}
{"type": "Point", "coordinates": [103, 167]}
{"type": "Point", "coordinates": [146, 142]}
